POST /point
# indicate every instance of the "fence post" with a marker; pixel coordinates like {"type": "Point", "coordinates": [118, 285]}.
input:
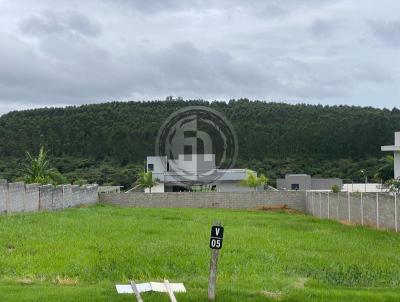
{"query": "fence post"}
{"type": "Point", "coordinates": [348, 206]}
{"type": "Point", "coordinates": [377, 210]}
{"type": "Point", "coordinates": [362, 209]}
{"type": "Point", "coordinates": [329, 207]}
{"type": "Point", "coordinates": [312, 201]}
{"type": "Point", "coordinates": [320, 205]}
{"type": "Point", "coordinates": [306, 201]}
{"type": "Point", "coordinates": [395, 211]}
{"type": "Point", "coordinates": [337, 206]}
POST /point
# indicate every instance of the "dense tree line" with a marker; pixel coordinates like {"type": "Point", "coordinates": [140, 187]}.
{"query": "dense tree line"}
{"type": "Point", "coordinates": [274, 138]}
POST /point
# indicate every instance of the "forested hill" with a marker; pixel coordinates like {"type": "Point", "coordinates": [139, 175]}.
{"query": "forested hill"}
{"type": "Point", "coordinates": [125, 132]}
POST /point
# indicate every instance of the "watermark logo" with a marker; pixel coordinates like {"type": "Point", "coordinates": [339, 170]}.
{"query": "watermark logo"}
{"type": "Point", "coordinates": [200, 144]}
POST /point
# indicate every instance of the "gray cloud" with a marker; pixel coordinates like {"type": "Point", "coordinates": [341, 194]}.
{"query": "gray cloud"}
{"type": "Point", "coordinates": [130, 49]}
{"type": "Point", "coordinates": [256, 7]}
{"type": "Point", "coordinates": [324, 29]}
{"type": "Point", "coordinates": [387, 32]}
{"type": "Point", "coordinates": [60, 23]}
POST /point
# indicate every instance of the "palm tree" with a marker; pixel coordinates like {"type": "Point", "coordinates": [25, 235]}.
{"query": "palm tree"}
{"type": "Point", "coordinates": [253, 181]}
{"type": "Point", "coordinates": [145, 180]}
{"type": "Point", "coordinates": [38, 170]}
{"type": "Point", "coordinates": [385, 172]}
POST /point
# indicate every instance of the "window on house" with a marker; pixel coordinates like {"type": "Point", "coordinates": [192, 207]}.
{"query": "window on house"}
{"type": "Point", "coordinates": [187, 153]}
{"type": "Point", "coordinates": [150, 167]}
{"type": "Point", "coordinates": [295, 187]}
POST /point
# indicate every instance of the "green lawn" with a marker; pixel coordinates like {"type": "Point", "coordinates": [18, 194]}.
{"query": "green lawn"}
{"type": "Point", "coordinates": [80, 254]}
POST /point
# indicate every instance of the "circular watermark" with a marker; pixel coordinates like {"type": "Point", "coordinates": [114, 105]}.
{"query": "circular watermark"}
{"type": "Point", "coordinates": [199, 144]}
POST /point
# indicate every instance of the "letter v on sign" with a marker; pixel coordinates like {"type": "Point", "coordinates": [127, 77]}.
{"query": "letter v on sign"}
{"type": "Point", "coordinates": [217, 232]}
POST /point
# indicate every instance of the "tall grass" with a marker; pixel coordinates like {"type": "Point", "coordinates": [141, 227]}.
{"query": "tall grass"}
{"type": "Point", "coordinates": [80, 254]}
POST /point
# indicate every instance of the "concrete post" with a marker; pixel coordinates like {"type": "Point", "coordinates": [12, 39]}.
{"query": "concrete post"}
{"type": "Point", "coordinates": [31, 198]}
{"type": "Point", "coordinates": [362, 208]}
{"type": "Point", "coordinates": [307, 201]}
{"type": "Point", "coordinates": [312, 201]}
{"type": "Point", "coordinates": [395, 211]}
{"type": "Point", "coordinates": [57, 198]}
{"type": "Point", "coordinates": [16, 197]}
{"type": "Point", "coordinates": [46, 198]}
{"type": "Point", "coordinates": [329, 206]}
{"type": "Point", "coordinates": [397, 156]}
{"type": "Point", "coordinates": [348, 206]}
{"type": "Point", "coordinates": [3, 195]}
{"type": "Point", "coordinates": [320, 205]}
{"type": "Point", "coordinates": [377, 210]}
{"type": "Point", "coordinates": [337, 206]}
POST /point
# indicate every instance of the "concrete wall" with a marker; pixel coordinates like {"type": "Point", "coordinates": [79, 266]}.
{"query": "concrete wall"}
{"type": "Point", "coordinates": [31, 198]}
{"type": "Point", "coordinates": [57, 202]}
{"type": "Point", "coordinates": [3, 196]}
{"type": "Point", "coordinates": [379, 210]}
{"type": "Point", "coordinates": [46, 198]}
{"type": "Point", "coordinates": [293, 199]}
{"type": "Point", "coordinates": [75, 195]}
{"type": "Point", "coordinates": [19, 197]}
{"type": "Point", "coordinates": [325, 183]}
{"type": "Point", "coordinates": [67, 196]}
{"type": "Point", "coordinates": [233, 186]}
{"type": "Point", "coordinates": [16, 197]}
{"type": "Point", "coordinates": [109, 189]}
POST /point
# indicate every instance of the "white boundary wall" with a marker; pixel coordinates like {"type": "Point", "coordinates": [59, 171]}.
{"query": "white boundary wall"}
{"type": "Point", "coordinates": [20, 197]}
{"type": "Point", "coordinates": [379, 210]}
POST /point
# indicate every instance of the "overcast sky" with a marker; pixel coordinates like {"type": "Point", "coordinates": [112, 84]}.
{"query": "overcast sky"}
{"type": "Point", "coordinates": [56, 53]}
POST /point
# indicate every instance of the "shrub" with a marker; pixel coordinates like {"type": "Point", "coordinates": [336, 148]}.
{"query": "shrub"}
{"type": "Point", "coordinates": [335, 189]}
{"type": "Point", "coordinates": [394, 185]}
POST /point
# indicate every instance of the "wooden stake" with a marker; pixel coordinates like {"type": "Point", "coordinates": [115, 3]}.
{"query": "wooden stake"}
{"type": "Point", "coordinates": [136, 291]}
{"type": "Point", "coordinates": [170, 291]}
{"type": "Point", "coordinates": [213, 275]}
{"type": "Point", "coordinates": [212, 280]}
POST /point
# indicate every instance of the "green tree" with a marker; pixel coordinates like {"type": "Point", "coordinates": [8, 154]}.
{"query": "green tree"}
{"type": "Point", "coordinates": [84, 139]}
{"type": "Point", "coordinates": [145, 180]}
{"type": "Point", "coordinates": [386, 170]}
{"type": "Point", "coordinates": [38, 170]}
{"type": "Point", "coordinates": [253, 181]}
{"type": "Point", "coordinates": [80, 182]}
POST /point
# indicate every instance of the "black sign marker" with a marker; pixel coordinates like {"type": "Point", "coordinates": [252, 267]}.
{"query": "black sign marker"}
{"type": "Point", "coordinates": [217, 237]}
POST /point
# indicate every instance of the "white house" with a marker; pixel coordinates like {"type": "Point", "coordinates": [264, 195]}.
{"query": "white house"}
{"type": "Point", "coordinates": [306, 182]}
{"type": "Point", "coordinates": [396, 150]}
{"type": "Point", "coordinates": [194, 171]}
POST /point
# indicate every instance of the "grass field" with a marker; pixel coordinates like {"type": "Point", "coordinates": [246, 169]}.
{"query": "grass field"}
{"type": "Point", "coordinates": [80, 254]}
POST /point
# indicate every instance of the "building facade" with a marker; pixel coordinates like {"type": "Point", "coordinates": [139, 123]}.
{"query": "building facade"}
{"type": "Point", "coordinates": [396, 151]}
{"type": "Point", "coordinates": [306, 182]}
{"type": "Point", "coordinates": [191, 172]}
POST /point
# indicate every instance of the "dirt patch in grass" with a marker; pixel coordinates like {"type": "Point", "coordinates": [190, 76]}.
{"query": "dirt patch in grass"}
{"type": "Point", "coordinates": [28, 280]}
{"type": "Point", "coordinates": [299, 284]}
{"type": "Point", "coordinates": [10, 248]}
{"type": "Point", "coordinates": [66, 281]}
{"type": "Point", "coordinates": [273, 295]}
{"type": "Point", "coordinates": [276, 208]}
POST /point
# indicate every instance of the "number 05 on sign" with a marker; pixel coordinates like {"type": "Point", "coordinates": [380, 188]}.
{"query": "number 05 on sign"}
{"type": "Point", "coordinates": [217, 236]}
